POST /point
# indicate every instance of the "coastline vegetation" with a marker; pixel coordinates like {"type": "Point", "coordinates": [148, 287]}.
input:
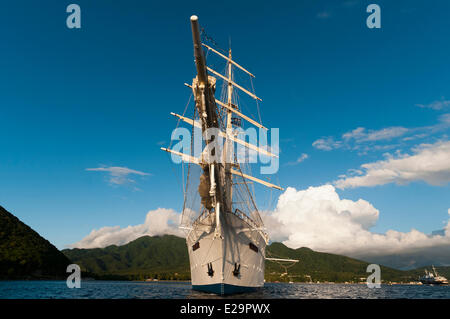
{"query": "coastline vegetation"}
{"type": "Point", "coordinates": [24, 254]}
{"type": "Point", "coordinates": [166, 258]}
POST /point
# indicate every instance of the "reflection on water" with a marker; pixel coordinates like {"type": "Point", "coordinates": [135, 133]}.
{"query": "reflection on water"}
{"type": "Point", "coordinates": [182, 290]}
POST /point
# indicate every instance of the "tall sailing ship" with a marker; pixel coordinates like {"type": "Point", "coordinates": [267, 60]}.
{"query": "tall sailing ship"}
{"type": "Point", "coordinates": [225, 234]}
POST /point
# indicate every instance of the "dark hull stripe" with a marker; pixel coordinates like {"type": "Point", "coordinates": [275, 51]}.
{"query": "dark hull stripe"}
{"type": "Point", "coordinates": [223, 289]}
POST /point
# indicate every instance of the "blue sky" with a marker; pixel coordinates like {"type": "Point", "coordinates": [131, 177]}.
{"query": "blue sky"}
{"type": "Point", "coordinates": [101, 96]}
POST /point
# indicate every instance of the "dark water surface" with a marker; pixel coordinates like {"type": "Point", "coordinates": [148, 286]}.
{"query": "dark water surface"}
{"type": "Point", "coordinates": [182, 290]}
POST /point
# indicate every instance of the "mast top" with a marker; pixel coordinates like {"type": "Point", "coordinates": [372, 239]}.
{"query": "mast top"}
{"type": "Point", "coordinates": [198, 52]}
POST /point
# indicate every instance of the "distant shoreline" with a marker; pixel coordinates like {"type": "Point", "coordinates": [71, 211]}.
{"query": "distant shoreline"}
{"type": "Point", "coordinates": [297, 282]}
{"type": "Point", "coordinates": [151, 281]}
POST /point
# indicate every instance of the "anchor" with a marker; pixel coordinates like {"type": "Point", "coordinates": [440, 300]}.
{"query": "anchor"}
{"type": "Point", "coordinates": [237, 269]}
{"type": "Point", "coordinates": [210, 270]}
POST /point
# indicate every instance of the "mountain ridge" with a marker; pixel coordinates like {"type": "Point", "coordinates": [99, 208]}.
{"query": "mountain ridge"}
{"type": "Point", "coordinates": [24, 254]}
{"type": "Point", "coordinates": [166, 258]}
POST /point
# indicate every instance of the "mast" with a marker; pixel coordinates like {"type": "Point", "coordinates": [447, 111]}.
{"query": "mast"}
{"type": "Point", "coordinates": [229, 131]}
{"type": "Point", "coordinates": [198, 52]}
{"type": "Point", "coordinates": [205, 100]}
{"type": "Point", "coordinates": [203, 88]}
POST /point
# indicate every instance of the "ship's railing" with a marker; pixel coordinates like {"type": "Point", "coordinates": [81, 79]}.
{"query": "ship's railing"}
{"type": "Point", "coordinates": [237, 212]}
{"type": "Point", "coordinates": [201, 217]}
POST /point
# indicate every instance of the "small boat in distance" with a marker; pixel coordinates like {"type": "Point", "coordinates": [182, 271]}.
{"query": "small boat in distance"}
{"type": "Point", "coordinates": [433, 278]}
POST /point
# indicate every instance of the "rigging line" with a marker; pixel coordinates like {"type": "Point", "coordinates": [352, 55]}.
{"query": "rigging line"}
{"type": "Point", "coordinates": [182, 164]}
{"type": "Point", "coordinates": [251, 173]}
{"type": "Point", "coordinates": [185, 185]}
{"type": "Point", "coordinates": [187, 179]}
{"type": "Point", "coordinates": [219, 114]}
{"type": "Point", "coordinates": [237, 102]}
{"type": "Point", "coordinates": [209, 249]}
{"type": "Point", "coordinates": [250, 195]}
{"type": "Point", "coordinates": [178, 122]}
{"type": "Point", "coordinates": [275, 198]}
{"type": "Point", "coordinates": [173, 168]}
{"type": "Point", "coordinates": [257, 104]}
{"type": "Point", "coordinates": [270, 201]}
{"type": "Point", "coordinates": [243, 108]}
{"type": "Point", "coordinates": [211, 40]}
{"type": "Point", "coordinates": [223, 95]}
{"type": "Point", "coordinates": [182, 181]}
{"type": "Point", "coordinates": [249, 170]}
{"type": "Point", "coordinates": [239, 191]}
{"type": "Point", "coordinates": [189, 164]}
{"type": "Point", "coordinates": [176, 175]}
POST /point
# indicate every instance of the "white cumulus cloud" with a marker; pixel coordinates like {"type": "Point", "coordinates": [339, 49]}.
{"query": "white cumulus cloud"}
{"type": "Point", "coordinates": [429, 163]}
{"type": "Point", "coordinates": [316, 218]}
{"type": "Point", "coordinates": [319, 219]}
{"type": "Point", "coordinates": [157, 222]}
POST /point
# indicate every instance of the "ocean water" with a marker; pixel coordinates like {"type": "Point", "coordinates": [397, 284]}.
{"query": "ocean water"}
{"type": "Point", "coordinates": [182, 290]}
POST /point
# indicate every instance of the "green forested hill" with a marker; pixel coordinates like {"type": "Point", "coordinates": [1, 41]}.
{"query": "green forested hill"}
{"type": "Point", "coordinates": [166, 257]}
{"type": "Point", "coordinates": [315, 266]}
{"type": "Point", "coordinates": [25, 254]}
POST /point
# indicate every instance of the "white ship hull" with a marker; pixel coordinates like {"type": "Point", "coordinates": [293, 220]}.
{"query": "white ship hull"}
{"type": "Point", "coordinates": [434, 280]}
{"type": "Point", "coordinates": [231, 262]}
